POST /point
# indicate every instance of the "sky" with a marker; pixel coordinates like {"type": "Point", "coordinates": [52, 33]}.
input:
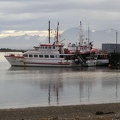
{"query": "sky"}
{"type": "Point", "coordinates": [31, 16]}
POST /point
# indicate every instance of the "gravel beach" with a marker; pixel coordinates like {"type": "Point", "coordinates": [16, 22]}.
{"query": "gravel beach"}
{"type": "Point", "coordinates": [109, 111]}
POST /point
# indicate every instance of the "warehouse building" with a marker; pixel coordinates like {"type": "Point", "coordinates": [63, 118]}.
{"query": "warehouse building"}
{"type": "Point", "coordinates": [109, 47]}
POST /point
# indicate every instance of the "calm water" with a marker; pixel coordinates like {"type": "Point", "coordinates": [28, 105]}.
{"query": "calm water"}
{"type": "Point", "coordinates": [27, 87]}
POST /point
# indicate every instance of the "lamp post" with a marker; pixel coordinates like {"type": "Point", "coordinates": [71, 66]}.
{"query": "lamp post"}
{"type": "Point", "coordinates": [116, 35]}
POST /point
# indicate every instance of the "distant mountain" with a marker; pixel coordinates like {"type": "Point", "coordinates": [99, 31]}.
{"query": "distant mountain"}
{"type": "Point", "coordinates": [98, 37]}
{"type": "Point", "coordinates": [20, 42]}
{"type": "Point", "coordinates": [70, 35]}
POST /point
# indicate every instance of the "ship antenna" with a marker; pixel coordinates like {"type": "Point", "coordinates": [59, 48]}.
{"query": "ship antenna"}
{"type": "Point", "coordinates": [88, 34]}
{"type": "Point", "coordinates": [81, 34]}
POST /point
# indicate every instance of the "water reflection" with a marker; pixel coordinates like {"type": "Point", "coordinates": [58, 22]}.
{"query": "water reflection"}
{"type": "Point", "coordinates": [111, 82]}
{"type": "Point", "coordinates": [55, 68]}
{"type": "Point", "coordinates": [58, 80]}
{"type": "Point", "coordinates": [54, 88]}
{"type": "Point", "coordinates": [44, 86]}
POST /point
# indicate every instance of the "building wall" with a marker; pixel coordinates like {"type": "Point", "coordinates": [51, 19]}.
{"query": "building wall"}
{"type": "Point", "coordinates": [111, 47]}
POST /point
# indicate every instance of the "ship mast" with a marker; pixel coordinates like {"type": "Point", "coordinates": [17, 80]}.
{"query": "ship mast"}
{"type": "Point", "coordinates": [49, 31]}
{"type": "Point", "coordinates": [57, 33]}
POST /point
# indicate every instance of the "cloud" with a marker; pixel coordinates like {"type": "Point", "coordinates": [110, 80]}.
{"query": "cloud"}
{"type": "Point", "coordinates": [25, 15]}
{"type": "Point", "coordinates": [43, 33]}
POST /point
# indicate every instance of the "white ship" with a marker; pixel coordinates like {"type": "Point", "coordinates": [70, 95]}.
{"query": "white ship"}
{"type": "Point", "coordinates": [53, 55]}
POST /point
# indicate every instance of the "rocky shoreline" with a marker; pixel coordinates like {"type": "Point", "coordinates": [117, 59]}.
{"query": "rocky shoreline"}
{"type": "Point", "coordinates": [110, 111]}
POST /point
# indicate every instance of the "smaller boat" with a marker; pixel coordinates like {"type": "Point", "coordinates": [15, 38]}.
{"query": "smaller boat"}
{"type": "Point", "coordinates": [83, 50]}
{"type": "Point", "coordinates": [83, 54]}
{"type": "Point", "coordinates": [102, 58]}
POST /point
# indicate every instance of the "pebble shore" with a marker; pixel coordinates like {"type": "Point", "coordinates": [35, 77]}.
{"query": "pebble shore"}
{"type": "Point", "coordinates": [110, 111]}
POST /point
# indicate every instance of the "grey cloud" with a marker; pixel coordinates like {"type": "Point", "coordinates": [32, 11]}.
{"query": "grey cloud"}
{"type": "Point", "coordinates": [32, 14]}
{"type": "Point", "coordinates": [24, 6]}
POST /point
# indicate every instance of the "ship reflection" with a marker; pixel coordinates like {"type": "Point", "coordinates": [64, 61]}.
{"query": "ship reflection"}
{"type": "Point", "coordinates": [54, 68]}
{"type": "Point", "coordinates": [54, 86]}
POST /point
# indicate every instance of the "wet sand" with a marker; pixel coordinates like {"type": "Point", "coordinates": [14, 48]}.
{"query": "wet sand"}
{"type": "Point", "coordinates": [109, 111]}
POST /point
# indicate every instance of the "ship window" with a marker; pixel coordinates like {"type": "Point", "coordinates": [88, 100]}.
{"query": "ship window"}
{"type": "Point", "coordinates": [49, 47]}
{"type": "Point", "coordinates": [40, 56]}
{"type": "Point", "coordinates": [46, 56]}
{"type": "Point", "coordinates": [35, 55]}
{"type": "Point", "coordinates": [73, 45]}
{"type": "Point", "coordinates": [53, 47]}
{"type": "Point", "coordinates": [61, 56]}
{"type": "Point", "coordinates": [30, 55]}
{"type": "Point", "coordinates": [57, 56]}
{"type": "Point", "coordinates": [25, 55]}
{"type": "Point", "coordinates": [45, 47]}
{"type": "Point", "coordinates": [51, 56]}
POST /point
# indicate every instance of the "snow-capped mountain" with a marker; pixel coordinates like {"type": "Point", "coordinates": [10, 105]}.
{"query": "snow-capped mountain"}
{"type": "Point", "coordinates": [20, 42]}
{"type": "Point", "coordinates": [69, 36]}
{"type": "Point", "coordinates": [97, 37]}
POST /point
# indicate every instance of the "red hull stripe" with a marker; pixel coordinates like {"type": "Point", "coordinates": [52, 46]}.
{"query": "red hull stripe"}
{"type": "Point", "coordinates": [49, 63]}
{"type": "Point", "coordinates": [14, 56]}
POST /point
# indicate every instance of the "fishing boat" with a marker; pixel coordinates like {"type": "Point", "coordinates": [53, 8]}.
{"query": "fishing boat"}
{"type": "Point", "coordinates": [83, 50]}
{"type": "Point", "coordinates": [51, 55]}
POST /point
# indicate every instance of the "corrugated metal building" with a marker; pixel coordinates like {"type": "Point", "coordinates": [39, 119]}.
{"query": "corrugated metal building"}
{"type": "Point", "coordinates": [109, 47]}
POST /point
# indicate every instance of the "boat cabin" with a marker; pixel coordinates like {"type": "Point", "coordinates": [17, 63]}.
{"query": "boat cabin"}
{"type": "Point", "coordinates": [50, 48]}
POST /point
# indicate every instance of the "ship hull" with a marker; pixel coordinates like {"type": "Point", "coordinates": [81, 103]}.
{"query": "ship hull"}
{"type": "Point", "coordinates": [102, 62]}
{"type": "Point", "coordinates": [23, 62]}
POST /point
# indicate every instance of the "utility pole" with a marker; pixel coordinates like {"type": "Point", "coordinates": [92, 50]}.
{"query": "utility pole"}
{"type": "Point", "coordinates": [116, 37]}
